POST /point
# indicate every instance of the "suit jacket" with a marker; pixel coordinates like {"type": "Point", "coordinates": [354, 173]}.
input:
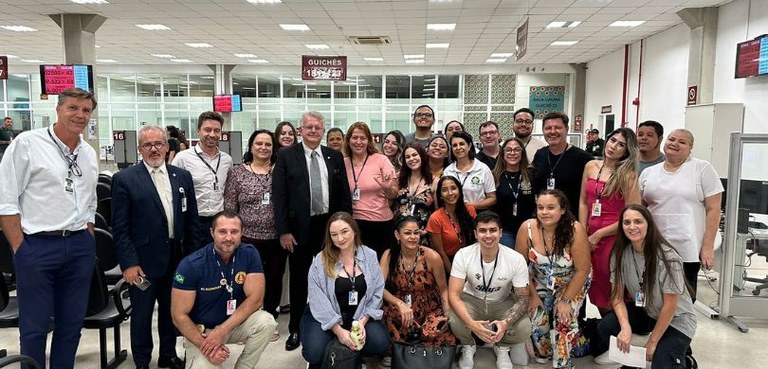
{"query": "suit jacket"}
{"type": "Point", "coordinates": [139, 224]}
{"type": "Point", "coordinates": [291, 192]}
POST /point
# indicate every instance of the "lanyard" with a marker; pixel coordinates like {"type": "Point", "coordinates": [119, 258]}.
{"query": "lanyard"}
{"type": "Point", "coordinates": [551, 168]}
{"type": "Point", "coordinates": [214, 171]}
{"type": "Point", "coordinates": [487, 285]}
{"type": "Point", "coordinates": [413, 270]}
{"type": "Point", "coordinates": [351, 276]}
{"type": "Point", "coordinates": [598, 195]}
{"type": "Point", "coordinates": [360, 173]}
{"type": "Point", "coordinates": [546, 250]}
{"type": "Point", "coordinates": [456, 229]}
{"type": "Point", "coordinates": [637, 269]}
{"type": "Point", "coordinates": [70, 159]}
{"type": "Point", "coordinates": [511, 178]}
{"type": "Point", "coordinates": [228, 285]}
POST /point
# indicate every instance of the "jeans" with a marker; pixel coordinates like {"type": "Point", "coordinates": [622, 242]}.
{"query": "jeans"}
{"type": "Point", "coordinates": [508, 239]}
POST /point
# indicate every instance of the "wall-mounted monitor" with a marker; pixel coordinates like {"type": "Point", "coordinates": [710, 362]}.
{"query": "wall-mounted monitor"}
{"type": "Point", "coordinates": [227, 103]}
{"type": "Point", "coordinates": [54, 79]}
{"type": "Point", "coordinates": [752, 57]}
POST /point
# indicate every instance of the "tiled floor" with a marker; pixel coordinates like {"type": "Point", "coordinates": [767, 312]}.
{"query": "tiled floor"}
{"type": "Point", "coordinates": [717, 343]}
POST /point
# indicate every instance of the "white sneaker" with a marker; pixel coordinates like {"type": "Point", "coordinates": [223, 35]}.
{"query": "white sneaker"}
{"type": "Point", "coordinates": [519, 354]}
{"type": "Point", "coordinates": [467, 360]}
{"type": "Point", "coordinates": [386, 361]}
{"type": "Point", "coordinates": [603, 359]}
{"type": "Point", "coordinates": [502, 357]}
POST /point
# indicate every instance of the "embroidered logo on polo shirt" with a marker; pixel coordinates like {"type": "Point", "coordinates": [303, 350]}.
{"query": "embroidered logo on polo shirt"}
{"type": "Point", "coordinates": [179, 278]}
{"type": "Point", "coordinates": [240, 277]}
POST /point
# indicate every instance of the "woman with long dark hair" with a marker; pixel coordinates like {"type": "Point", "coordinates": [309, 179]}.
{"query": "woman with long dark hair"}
{"type": "Point", "coordinates": [415, 187]}
{"type": "Point", "coordinates": [248, 193]}
{"type": "Point", "coordinates": [647, 268]}
{"type": "Point", "coordinates": [437, 150]}
{"type": "Point", "coordinates": [476, 178]}
{"type": "Point", "coordinates": [392, 147]}
{"type": "Point", "coordinates": [606, 186]}
{"type": "Point", "coordinates": [451, 226]}
{"type": "Point", "coordinates": [557, 250]}
{"type": "Point", "coordinates": [285, 134]}
{"type": "Point", "coordinates": [515, 200]}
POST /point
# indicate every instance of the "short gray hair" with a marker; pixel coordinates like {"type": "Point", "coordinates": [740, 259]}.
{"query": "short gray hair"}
{"type": "Point", "coordinates": [153, 128]}
{"type": "Point", "coordinates": [313, 114]}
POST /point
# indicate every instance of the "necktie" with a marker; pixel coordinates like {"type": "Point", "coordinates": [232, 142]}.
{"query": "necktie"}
{"type": "Point", "coordinates": [316, 185]}
{"type": "Point", "coordinates": [165, 198]}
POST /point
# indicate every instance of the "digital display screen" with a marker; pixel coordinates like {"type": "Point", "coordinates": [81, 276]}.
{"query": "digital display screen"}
{"type": "Point", "coordinates": [752, 58]}
{"type": "Point", "coordinates": [227, 103]}
{"type": "Point", "coordinates": [54, 79]}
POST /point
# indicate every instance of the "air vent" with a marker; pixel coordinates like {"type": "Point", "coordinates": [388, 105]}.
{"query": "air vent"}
{"type": "Point", "coordinates": [370, 40]}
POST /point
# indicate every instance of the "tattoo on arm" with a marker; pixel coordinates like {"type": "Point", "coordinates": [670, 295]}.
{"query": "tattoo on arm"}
{"type": "Point", "coordinates": [520, 307]}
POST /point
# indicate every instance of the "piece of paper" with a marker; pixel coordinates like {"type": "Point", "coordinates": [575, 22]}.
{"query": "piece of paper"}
{"type": "Point", "coordinates": [635, 357]}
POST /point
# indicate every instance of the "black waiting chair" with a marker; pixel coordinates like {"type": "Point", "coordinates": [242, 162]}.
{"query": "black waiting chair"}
{"type": "Point", "coordinates": [6, 263]}
{"type": "Point", "coordinates": [106, 179]}
{"type": "Point", "coordinates": [103, 190]}
{"type": "Point", "coordinates": [20, 359]}
{"type": "Point", "coordinates": [101, 223]}
{"type": "Point", "coordinates": [9, 308]}
{"type": "Point", "coordinates": [758, 247]}
{"type": "Point", "coordinates": [107, 308]}
{"type": "Point", "coordinates": [104, 207]}
{"type": "Point", "coordinates": [107, 255]}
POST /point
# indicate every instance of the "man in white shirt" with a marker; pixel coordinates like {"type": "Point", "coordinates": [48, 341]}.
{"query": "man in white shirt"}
{"type": "Point", "coordinates": [209, 168]}
{"type": "Point", "coordinates": [522, 125]}
{"type": "Point", "coordinates": [483, 277]}
{"type": "Point", "coordinates": [47, 203]}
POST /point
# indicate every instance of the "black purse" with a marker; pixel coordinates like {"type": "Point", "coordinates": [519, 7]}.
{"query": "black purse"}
{"type": "Point", "coordinates": [339, 356]}
{"type": "Point", "coordinates": [413, 355]}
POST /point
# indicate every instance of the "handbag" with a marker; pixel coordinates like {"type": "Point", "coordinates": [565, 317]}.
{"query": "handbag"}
{"type": "Point", "coordinates": [339, 356]}
{"type": "Point", "coordinates": [413, 355]}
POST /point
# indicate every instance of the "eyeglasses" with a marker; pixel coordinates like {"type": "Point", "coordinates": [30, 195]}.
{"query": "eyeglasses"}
{"type": "Point", "coordinates": [527, 122]}
{"type": "Point", "coordinates": [488, 133]}
{"type": "Point", "coordinates": [313, 128]}
{"type": "Point", "coordinates": [423, 115]}
{"type": "Point", "coordinates": [149, 146]}
{"type": "Point", "coordinates": [516, 150]}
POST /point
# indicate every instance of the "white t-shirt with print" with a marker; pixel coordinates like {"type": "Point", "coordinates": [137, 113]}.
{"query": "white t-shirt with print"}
{"type": "Point", "coordinates": [511, 271]}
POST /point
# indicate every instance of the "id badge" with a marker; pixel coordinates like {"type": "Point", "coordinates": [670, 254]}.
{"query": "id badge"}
{"type": "Point", "coordinates": [551, 183]}
{"type": "Point", "coordinates": [352, 298]}
{"type": "Point", "coordinates": [550, 282]}
{"type": "Point", "coordinates": [216, 186]}
{"type": "Point", "coordinates": [68, 186]}
{"type": "Point", "coordinates": [184, 204]}
{"type": "Point", "coordinates": [231, 306]}
{"type": "Point", "coordinates": [514, 209]}
{"type": "Point", "coordinates": [265, 198]}
{"type": "Point", "coordinates": [408, 300]}
{"type": "Point", "coordinates": [356, 194]}
{"type": "Point", "coordinates": [640, 299]}
{"type": "Point", "coordinates": [597, 208]}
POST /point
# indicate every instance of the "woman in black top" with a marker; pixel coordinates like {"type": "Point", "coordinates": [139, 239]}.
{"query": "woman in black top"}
{"type": "Point", "coordinates": [515, 200]}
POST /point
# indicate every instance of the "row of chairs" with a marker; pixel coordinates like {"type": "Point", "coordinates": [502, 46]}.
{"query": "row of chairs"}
{"type": "Point", "coordinates": [108, 304]}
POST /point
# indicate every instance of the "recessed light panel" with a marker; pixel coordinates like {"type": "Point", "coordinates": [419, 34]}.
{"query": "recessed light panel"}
{"type": "Point", "coordinates": [564, 43]}
{"type": "Point", "coordinates": [441, 26]}
{"type": "Point", "coordinates": [199, 45]}
{"type": "Point", "coordinates": [245, 55]}
{"type": "Point", "coordinates": [153, 27]}
{"type": "Point", "coordinates": [317, 46]}
{"type": "Point", "coordinates": [295, 27]}
{"type": "Point", "coordinates": [164, 56]}
{"type": "Point", "coordinates": [373, 59]}
{"type": "Point", "coordinates": [258, 61]}
{"type": "Point", "coordinates": [414, 61]}
{"type": "Point", "coordinates": [413, 56]}
{"type": "Point", "coordinates": [495, 60]}
{"type": "Point", "coordinates": [106, 61]}
{"type": "Point", "coordinates": [19, 28]}
{"type": "Point", "coordinates": [502, 55]}
{"type": "Point", "coordinates": [180, 60]}
{"type": "Point", "coordinates": [626, 23]}
{"type": "Point", "coordinates": [444, 45]}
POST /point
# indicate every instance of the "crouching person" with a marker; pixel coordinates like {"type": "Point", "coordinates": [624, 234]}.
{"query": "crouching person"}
{"type": "Point", "coordinates": [483, 277]}
{"type": "Point", "coordinates": [217, 297]}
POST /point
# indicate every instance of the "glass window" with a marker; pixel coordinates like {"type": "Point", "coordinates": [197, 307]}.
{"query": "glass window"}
{"type": "Point", "coordinates": [398, 87]}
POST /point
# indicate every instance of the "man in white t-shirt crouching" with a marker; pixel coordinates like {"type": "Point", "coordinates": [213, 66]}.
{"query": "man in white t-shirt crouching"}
{"type": "Point", "coordinates": [483, 277]}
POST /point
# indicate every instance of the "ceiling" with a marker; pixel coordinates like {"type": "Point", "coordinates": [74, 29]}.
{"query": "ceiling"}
{"type": "Point", "coordinates": [483, 27]}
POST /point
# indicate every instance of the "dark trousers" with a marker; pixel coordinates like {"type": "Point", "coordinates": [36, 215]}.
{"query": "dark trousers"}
{"type": "Point", "coordinates": [691, 271]}
{"type": "Point", "coordinates": [379, 236]}
{"type": "Point", "coordinates": [273, 258]}
{"type": "Point", "coordinates": [300, 261]}
{"type": "Point", "coordinates": [314, 339]}
{"type": "Point", "coordinates": [143, 304]}
{"type": "Point", "coordinates": [205, 230]}
{"type": "Point", "coordinates": [671, 349]}
{"type": "Point", "coordinates": [53, 279]}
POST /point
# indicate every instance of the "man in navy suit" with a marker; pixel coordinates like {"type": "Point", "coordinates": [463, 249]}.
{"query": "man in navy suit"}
{"type": "Point", "coordinates": [153, 222]}
{"type": "Point", "coordinates": [309, 183]}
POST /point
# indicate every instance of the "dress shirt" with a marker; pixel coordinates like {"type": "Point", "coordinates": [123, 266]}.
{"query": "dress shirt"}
{"type": "Point", "coordinates": [209, 200]}
{"type": "Point", "coordinates": [323, 173]}
{"type": "Point", "coordinates": [168, 192]}
{"type": "Point", "coordinates": [34, 183]}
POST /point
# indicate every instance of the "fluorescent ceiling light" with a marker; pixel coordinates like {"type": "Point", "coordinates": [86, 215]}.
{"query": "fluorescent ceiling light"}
{"type": "Point", "coordinates": [264, 1]}
{"type": "Point", "coordinates": [563, 24]}
{"type": "Point", "coordinates": [495, 60]}
{"type": "Point", "coordinates": [199, 45]}
{"type": "Point", "coordinates": [563, 43]}
{"type": "Point", "coordinates": [626, 23]}
{"type": "Point", "coordinates": [413, 56]}
{"type": "Point", "coordinates": [153, 27]}
{"type": "Point", "coordinates": [441, 26]}
{"type": "Point", "coordinates": [19, 28]}
{"type": "Point", "coordinates": [443, 45]}
{"type": "Point", "coordinates": [429, 89]}
{"type": "Point", "coordinates": [164, 56]}
{"type": "Point", "coordinates": [181, 60]}
{"type": "Point", "coordinates": [9, 56]}
{"type": "Point", "coordinates": [373, 59]}
{"type": "Point", "coordinates": [90, 1]}
{"type": "Point", "coordinates": [317, 46]}
{"type": "Point", "coordinates": [248, 88]}
{"type": "Point", "coordinates": [206, 77]}
{"type": "Point", "coordinates": [502, 55]}
{"type": "Point", "coordinates": [414, 61]}
{"type": "Point", "coordinates": [31, 60]}
{"type": "Point", "coordinates": [106, 61]}
{"type": "Point", "coordinates": [258, 61]}
{"type": "Point", "coordinates": [245, 55]}
{"type": "Point", "coordinates": [295, 27]}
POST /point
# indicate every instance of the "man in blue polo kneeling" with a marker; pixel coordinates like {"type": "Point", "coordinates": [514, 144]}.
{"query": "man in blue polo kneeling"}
{"type": "Point", "coordinates": [217, 299]}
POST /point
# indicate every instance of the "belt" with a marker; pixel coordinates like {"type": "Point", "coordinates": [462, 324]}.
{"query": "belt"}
{"type": "Point", "coordinates": [61, 233]}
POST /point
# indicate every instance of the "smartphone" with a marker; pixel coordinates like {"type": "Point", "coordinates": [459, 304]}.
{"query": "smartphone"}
{"type": "Point", "coordinates": [143, 284]}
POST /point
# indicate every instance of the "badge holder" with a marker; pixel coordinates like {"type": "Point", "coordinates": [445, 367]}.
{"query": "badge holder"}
{"type": "Point", "coordinates": [352, 298]}
{"type": "Point", "coordinates": [356, 194]}
{"type": "Point", "coordinates": [551, 183]}
{"type": "Point", "coordinates": [597, 208]}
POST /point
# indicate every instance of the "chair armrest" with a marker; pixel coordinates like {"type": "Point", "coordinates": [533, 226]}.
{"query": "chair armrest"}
{"type": "Point", "coordinates": [19, 359]}
{"type": "Point", "coordinates": [117, 292]}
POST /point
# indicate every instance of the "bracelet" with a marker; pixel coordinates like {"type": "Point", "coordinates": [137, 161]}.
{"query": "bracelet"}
{"type": "Point", "coordinates": [566, 300]}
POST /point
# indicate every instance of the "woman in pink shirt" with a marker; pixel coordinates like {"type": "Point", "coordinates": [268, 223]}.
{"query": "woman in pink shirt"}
{"type": "Point", "coordinates": [373, 183]}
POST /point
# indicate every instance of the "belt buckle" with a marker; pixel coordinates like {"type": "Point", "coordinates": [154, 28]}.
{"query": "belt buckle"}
{"type": "Point", "coordinates": [66, 233]}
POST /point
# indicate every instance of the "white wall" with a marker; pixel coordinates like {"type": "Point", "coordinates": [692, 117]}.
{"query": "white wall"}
{"type": "Point", "coordinates": [605, 77]}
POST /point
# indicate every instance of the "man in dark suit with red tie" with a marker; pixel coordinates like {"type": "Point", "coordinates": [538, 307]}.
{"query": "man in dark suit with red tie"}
{"type": "Point", "coordinates": [309, 183]}
{"type": "Point", "coordinates": [153, 222]}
